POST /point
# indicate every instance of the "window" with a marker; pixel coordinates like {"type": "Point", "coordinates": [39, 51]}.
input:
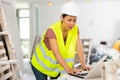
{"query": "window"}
{"type": "Point", "coordinates": [24, 30]}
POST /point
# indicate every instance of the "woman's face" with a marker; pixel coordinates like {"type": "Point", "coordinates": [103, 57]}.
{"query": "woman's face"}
{"type": "Point", "coordinates": [68, 22]}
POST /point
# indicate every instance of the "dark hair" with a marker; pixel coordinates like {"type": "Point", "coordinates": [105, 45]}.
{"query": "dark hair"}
{"type": "Point", "coordinates": [63, 15]}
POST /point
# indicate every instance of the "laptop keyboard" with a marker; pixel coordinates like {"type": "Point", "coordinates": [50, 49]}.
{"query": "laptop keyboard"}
{"type": "Point", "coordinates": [81, 75]}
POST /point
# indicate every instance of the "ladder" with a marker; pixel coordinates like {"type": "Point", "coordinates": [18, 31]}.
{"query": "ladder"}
{"type": "Point", "coordinates": [8, 61]}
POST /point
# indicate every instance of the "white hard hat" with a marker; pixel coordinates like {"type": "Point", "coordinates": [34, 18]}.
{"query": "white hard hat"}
{"type": "Point", "coordinates": [70, 8]}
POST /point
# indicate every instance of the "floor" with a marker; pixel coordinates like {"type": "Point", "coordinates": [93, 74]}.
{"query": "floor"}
{"type": "Point", "coordinates": [27, 72]}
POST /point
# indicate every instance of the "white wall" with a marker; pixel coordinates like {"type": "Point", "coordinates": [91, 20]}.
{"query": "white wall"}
{"type": "Point", "coordinates": [48, 15]}
{"type": "Point", "coordinates": [99, 20]}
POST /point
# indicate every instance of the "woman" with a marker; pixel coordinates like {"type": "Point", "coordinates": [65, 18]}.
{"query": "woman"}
{"type": "Point", "coordinates": [55, 53]}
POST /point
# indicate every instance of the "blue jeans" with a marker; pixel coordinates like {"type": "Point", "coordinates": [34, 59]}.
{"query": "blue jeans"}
{"type": "Point", "coordinates": [41, 76]}
{"type": "Point", "coordinates": [38, 74]}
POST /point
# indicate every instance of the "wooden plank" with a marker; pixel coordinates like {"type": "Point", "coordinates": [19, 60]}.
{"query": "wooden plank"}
{"type": "Point", "coordinates": [11, 52]}
{"type": "Point", "coordinates": [4, 58]}
{"type": "Point", "coordinates": [2, 19]}
{"type": "Point", "coordinates": [6, 76]}
{"type": "Point", "coordinates": [1, 47]}
{"type": "Point", "coordinates": [103, 58]}
{"type": "Point", "coordinates": [3, 68]}
{"type": "Point", "coordinates": [1, 43]}
{"type": "Point", "coordinates": [2, 51]}
{"type": "Point", "coordinates": [3, 33]}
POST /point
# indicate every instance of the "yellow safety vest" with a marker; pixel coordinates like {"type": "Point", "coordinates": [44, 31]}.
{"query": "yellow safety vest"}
{"type": "Point", "coordinates": [44, 60]}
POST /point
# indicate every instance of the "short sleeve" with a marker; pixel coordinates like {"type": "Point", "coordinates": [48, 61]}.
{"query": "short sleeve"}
{"type": "Point", "coordinates": [50, 34]}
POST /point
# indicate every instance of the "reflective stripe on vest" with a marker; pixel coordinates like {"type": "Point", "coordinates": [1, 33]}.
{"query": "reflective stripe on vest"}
{"type": "Point", "coordinates": [50, 69]}
{"type": "Point", "coordinates": [50, 59]}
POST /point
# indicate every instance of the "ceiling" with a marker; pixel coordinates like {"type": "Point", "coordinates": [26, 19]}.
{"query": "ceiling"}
{"type": "Point", "coordinates": [24, 3]}
{"type": "Point", "coordinates": [45, 1]}
{"type": "Point", "coordinates": [56, 1]}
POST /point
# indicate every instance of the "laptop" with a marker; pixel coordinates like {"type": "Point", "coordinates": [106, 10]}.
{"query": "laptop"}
{"type": "Point", "coordinates": [95, 72]}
